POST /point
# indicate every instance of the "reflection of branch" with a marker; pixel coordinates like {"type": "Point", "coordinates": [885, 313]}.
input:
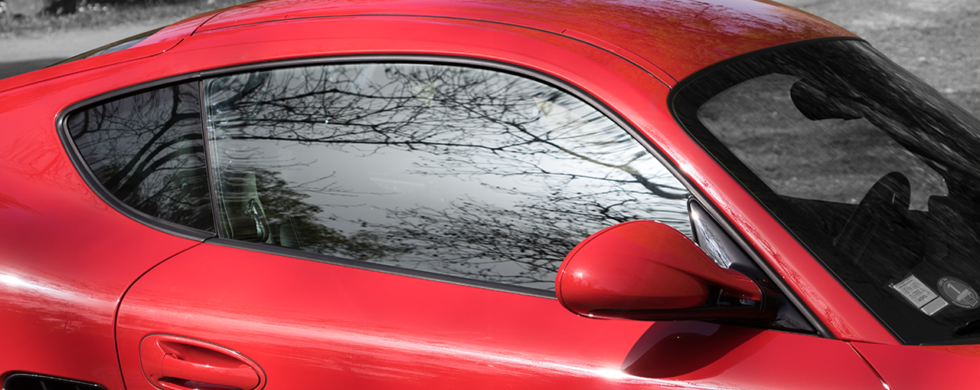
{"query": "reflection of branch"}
{"type": "Point", "coordinates": [147, 150]}
{"type": "Point", "coordinates": [149, 165]}
{"type": "Point", "coordinates": [161, 130]}
{"type": "Point", "coordinates": [493, 128]}
{"type": "Point", "coordinates": [480, 240]}
{"type": "Point", "coordinates": [413, 145]}
{"type": "Point", "coordinates": [653, 187]}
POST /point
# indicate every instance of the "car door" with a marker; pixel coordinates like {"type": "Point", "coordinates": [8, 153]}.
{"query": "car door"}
{"type": "Point", "coordinates": [306, 324]}
{"type": "Point", "coordinates": [398, 223]}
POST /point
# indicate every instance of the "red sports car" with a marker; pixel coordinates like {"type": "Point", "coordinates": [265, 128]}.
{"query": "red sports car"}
{"type": "Point", "coordinates": [427, 194]}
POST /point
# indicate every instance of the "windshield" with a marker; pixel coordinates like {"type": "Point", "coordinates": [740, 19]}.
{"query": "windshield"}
{"type": "Point", "coordinates": [871, 169]}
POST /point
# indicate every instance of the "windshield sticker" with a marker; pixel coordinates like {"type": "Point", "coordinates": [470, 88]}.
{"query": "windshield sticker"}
{"type": "Point", "coordinates": [958, 292]}
{"type": "Point", "coordinates": [920, 295]}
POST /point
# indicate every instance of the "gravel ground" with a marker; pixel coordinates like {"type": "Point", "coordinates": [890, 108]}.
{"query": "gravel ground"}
{"type": "Point", "coordinates": [939, 40]}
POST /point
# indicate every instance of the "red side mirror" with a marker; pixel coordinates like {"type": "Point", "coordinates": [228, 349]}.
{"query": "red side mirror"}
{"type": "Point", "coordinates": [646, 270]}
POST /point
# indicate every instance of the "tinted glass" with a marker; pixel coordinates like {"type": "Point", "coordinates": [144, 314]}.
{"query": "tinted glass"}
{"type": "Point", "coordinates": [452, 170]}
{"type": "Point", "coordinates": [148, 151]}
{"type": "Point", "coordinates": [872, 170]}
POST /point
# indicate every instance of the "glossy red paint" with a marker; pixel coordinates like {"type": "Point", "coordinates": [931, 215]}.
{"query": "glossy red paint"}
{"type": "Point", "coordinates": [307, 324]}
{"type": "Point", "coordinates": [66, 257]}
{"type": "Point", "coordinates": [597, 72]}
{"type": "Point", "coordinates": [923, 367]}
{"type": "Point", "coordinates": [679, 37]}
{"type": "Point", "coordinates": [639, 266]}
{"type": "Point", "coordinates": [837, 308]}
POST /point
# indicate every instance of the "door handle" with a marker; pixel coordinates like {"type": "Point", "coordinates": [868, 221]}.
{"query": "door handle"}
{"type": "Point", "coordinates": [180, 363]}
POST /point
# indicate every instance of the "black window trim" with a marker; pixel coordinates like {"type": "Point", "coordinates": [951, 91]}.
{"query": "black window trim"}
{"type": "Point", "coordinates": [498, 66]}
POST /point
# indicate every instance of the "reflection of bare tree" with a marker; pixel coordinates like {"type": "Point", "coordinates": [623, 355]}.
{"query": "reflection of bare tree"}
{"type": "Point", "coordinates": [439, 110]}
{"type": "Point", "coordinates": [476, 125]}
{"type": "Point", "coordinates": [516, 245]}
{"type": "Point", "coordinates": [513, 245]}
{"type": "Point", "coordinates": [292, 216]}
{"type": "Point", "coordinates": [148, 151]}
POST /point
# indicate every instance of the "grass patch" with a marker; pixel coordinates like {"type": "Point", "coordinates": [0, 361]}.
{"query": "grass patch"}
{"type": "Point", "coordinates": [92, 16]}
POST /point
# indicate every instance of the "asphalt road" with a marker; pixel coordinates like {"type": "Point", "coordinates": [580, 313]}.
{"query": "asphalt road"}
{"type": "Point", "coordinates": [22, 55]}
{"type": "Point", "coordinates": [938, 40]}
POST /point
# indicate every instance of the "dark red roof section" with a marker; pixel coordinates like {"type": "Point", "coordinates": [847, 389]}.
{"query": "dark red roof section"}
{"type": "Point", "coordinates": [679, 36]}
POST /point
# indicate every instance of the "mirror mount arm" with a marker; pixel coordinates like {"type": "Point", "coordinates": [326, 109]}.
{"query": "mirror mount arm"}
{"type": "Point", "coordinates": [730, 309]}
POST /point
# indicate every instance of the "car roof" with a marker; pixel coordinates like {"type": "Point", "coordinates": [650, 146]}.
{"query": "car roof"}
{"type": "Point", "coordinates": [678, 36]}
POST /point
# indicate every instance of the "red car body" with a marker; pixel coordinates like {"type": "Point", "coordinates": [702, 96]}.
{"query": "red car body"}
{"type": "Point", "coordinates": [83, 285]}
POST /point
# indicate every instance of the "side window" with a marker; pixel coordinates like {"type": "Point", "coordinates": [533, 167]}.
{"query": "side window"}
{"type": "Point", "coordinates": [453, 170]}
{"type": "Point", "coordinates": [147, 150]}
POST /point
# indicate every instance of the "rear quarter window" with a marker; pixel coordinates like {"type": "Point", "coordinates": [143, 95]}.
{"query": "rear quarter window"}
{"type": "Point", "coordinates": [147, 151]}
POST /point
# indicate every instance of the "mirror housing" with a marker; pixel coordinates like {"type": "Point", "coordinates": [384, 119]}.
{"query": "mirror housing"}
{"type": "Point", "coordinates": [645, 270]}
